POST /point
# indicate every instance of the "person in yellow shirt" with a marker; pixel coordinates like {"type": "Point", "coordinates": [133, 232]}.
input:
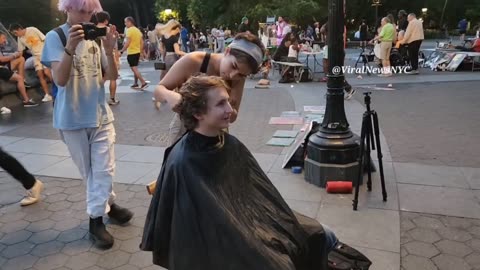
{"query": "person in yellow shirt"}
{"type": "Point", "coordinates": [133, 46]}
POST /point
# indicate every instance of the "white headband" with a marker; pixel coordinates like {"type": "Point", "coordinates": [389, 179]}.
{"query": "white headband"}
{"type": "Point", "coordinates": [249, 48]}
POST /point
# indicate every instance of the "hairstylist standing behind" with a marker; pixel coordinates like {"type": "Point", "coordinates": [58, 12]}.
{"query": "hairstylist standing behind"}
{"type": "Point", "coordinates": [242, 58]}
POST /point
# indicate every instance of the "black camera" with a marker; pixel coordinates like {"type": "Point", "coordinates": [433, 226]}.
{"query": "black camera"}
{"type": "Point", "coordinates": [92, 31]}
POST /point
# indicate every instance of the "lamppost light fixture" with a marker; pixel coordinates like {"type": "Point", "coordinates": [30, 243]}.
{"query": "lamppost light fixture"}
{"type": "Point", "coordinates": [168, 11]}
{"type": "Point", "coordinates": [424, 10]}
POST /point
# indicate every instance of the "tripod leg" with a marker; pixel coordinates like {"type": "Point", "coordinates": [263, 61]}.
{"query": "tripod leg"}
{"type": "Point", "coordinates": [369, 133]}
{"type": "Point", "coordinates": [358, 60]}
{"type": "Point", "coordinates": [360, 162]}
{"type": "Point", "coordinates": [379, 153]}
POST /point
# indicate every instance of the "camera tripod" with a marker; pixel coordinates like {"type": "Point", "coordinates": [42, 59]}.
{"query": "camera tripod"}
{"type": "Point", "coordinates": [370, 134]}
{"type": "Point", "coordinates": [363, 58]}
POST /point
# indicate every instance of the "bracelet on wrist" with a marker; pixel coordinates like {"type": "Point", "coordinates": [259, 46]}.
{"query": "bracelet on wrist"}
{"type": "Point", "coordinates": [68, 52]}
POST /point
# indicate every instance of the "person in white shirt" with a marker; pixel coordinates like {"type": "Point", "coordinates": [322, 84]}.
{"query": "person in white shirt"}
{"type": "Point", "coordinates": [33, 39]}
{"type": "Point", "coordinates": [293, 51]}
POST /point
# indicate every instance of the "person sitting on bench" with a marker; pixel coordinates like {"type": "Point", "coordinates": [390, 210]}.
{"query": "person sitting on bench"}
{"type": "Point", "coordinates": [281, 55]}
{"type": "Point", "coordinates": [474, 48]}
{"type": "Point", "coordinates": [10, 63]}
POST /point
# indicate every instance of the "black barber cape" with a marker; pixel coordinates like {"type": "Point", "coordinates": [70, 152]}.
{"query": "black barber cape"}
{"type": "Point", "coordinates": [215, 209]}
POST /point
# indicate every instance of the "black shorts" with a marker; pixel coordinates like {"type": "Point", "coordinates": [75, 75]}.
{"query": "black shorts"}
{"type": "Point", "coordinates": [133, 59]}
{"type": "Point", "coordinates": [363, 36]}
{"type": "Point", "coordinates": [462, 32]}
{"type": "Point", "coordinates": [5, 74]}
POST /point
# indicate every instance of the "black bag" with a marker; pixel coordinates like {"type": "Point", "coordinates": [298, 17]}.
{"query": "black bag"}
{"type": "Point", "coordinates": [344, 257]}
{"type": "Point", "coordinates": [306, 75]}
{"type": "Point", "coordinates": [160, 65]}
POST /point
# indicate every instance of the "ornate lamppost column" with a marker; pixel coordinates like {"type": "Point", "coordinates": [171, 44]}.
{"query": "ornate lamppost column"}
{"type": "Point", "coordinates": [332, 152]}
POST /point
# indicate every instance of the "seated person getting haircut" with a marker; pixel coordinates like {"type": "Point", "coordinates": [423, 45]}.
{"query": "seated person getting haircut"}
{"type": "Point", "coordinates": [223, 212]}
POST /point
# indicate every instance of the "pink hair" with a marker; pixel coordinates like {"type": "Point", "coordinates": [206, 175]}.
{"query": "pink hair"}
{"type": "Point", "coordinates": [88, 5]}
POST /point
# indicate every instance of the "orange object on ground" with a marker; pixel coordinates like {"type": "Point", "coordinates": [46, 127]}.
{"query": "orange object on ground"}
{"type": "Point", "coordinates": [339, 187]}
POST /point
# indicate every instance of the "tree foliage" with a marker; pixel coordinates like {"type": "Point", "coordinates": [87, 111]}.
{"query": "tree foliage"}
{"type": "Point", "coordinates": [214, 13]}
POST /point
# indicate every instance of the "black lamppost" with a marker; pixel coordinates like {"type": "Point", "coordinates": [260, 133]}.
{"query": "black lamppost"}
{"type": "Point", "coordinates": [332, 152]}
{"type": "Point", "coordinates": [376, 4]}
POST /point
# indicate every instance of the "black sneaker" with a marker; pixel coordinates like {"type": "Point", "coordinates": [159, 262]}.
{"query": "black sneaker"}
{"type": "Point", "coordinates": [119, 214]}
{"type": "Point", "coordinates": [103, 239]}
{"type": "Point", "coordinates": [145, 85]}
{"type": "Point", "coordinates": [134, 86]}
{"type": "Point", "coordinates": [350, 94]}
{"type": "Point", "coordinates": [412, 72]}
{"type": "Point", "coordinates": [29, 103]}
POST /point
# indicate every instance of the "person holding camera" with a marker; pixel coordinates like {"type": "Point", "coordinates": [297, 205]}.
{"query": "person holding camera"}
{"type": "Point", "coordinates": [81, 113]}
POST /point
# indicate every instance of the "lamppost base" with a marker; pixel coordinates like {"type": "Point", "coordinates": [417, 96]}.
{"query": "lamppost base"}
{"type": "Point", "coordinates": [332, 156]}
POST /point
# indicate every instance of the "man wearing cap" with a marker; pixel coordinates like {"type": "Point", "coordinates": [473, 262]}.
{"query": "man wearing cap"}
{"type": "Point", "coordinates": [244, 26]}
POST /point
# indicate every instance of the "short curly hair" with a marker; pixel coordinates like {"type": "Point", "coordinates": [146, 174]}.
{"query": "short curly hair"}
{"type": "Point", "coordinates": [194, 98]}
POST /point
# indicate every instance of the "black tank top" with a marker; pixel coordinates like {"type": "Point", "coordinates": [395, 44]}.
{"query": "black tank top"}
{"type": "Point", "coordinates": [363, 29]}
{"type": "Point", "coordinates": [169, 43]}
{"type": "Point", "coordinates": [206, 60]}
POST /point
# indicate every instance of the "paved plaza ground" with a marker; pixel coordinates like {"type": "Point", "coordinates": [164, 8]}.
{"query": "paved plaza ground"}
{"type": "Point", "coordinates": [429, 131]}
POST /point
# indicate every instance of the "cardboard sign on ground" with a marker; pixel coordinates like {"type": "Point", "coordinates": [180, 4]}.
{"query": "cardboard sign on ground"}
{"type": "Point", "coordinates": [286, 121]}
{"type": "Point", "coordinates": [456, 61]}
{"type": "Point", "coordinates": [285, 134]}
{"type": "Point", "coordinates": [298, 142]}
{"type": "Point", "coordinates": [280, 141]}
{"type": "Point", "coordinates": [314, 109]}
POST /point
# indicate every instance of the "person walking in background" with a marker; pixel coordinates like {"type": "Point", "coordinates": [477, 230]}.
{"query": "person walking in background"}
{"type": "Point", "coordinates": [462, 28]}
{"type": "Point", "coordinates": [184, 35]}
{"type": "Point", "coordinates": [402, 20]}
{"type": "Point", "coordinates": [33, 186]}
{"type": "Point", "coordinates": [363, 29]}
{"type": "Point", "coordinates": [244, 26]}
{"type": "Point", "coordinates": [170, 36]}
{"type": "Point", "coordinates": [103, 20]}
{"type": "Point", "coordinates": [220, 41]}
{"type": "Point", "coordinates": [133, 46]}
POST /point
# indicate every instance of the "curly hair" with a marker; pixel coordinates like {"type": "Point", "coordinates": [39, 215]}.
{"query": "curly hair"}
{"type": "Point", "coordinates": [243, 57]}
{"type": "Point", "coordinates": [194, 98]}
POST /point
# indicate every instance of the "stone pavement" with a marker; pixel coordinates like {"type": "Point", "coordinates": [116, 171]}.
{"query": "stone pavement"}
{"type": "Point", "coordinates": [53, 233]}
{"type": "Point", "coordinates": [439, 242]}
